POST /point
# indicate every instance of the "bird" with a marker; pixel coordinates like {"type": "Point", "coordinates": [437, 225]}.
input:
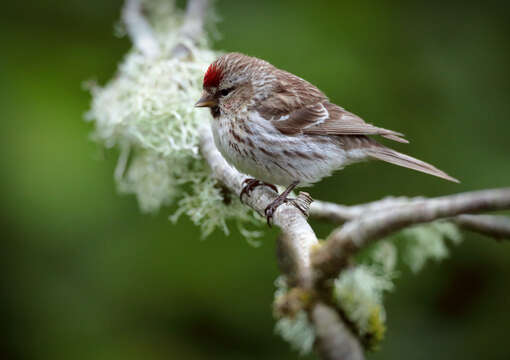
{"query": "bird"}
{"type": "Point", "coordinates": [279, 129]}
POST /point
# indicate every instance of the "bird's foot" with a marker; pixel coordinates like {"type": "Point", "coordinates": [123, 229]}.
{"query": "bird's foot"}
{"type": "Point", "coordinates": [250, 184]}
{"type": "Point", "coordinates": [282, 199]}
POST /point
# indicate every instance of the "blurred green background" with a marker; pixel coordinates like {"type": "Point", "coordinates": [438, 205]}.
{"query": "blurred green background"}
{"type": "Point", "coordinates": [84, 275]}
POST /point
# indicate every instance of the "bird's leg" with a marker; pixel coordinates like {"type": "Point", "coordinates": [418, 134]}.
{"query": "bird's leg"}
{"type": "Point", "coordinates": [281, 199]}
{"type": "Point", "coordinates": [250, 184]}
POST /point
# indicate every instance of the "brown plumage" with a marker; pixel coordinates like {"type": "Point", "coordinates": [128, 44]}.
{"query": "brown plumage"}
{"type": "Point", "coordinates": [281, 129]}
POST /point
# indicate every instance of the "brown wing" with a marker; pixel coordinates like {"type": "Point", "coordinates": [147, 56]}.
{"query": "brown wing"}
{"type": "Point", "coordinates": [296, 106]}
{"type": "Point", "coordinates": [325, 118]}
{"type": "Point", "coordinates": [288, 94]}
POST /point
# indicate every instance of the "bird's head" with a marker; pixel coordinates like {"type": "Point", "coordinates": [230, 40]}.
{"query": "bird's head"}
{"type": "Point", "coordinates": [233, 82]}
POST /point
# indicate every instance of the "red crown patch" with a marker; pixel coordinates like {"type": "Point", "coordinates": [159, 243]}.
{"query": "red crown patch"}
{"type": "Point", "coordinates": [212, 76]}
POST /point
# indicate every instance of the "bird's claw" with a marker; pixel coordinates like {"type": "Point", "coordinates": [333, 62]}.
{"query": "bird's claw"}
{"type": "Point", "coordinates": [271, 208]}
{"type": "Point", "coordinates": [250, 184]}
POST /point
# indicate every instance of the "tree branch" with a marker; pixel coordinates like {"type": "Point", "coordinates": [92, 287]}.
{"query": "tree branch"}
{"type": "Point", "coordinates": [139, 29]}
{"type": "Point", "coordinates": [335, 340]}
{"type": "Point", "coordinates": [297, 237]}
{"type": "Point", "coordinates": [495, 226]}
{"type": "Point", "coordinates": [294, 245]}
{"type": "Point", "coordinates": [339, 214]}
{"type": "Point", "coordinates": [193, 26]}
{"type": "Point", "coordinates": [357, 233]}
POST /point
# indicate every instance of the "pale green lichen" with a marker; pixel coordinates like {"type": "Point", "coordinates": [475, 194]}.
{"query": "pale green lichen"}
{"type": "Point", "coordinates": [147, 111]}
{"type": "Point", "coordinates": [206, 206]}
{"type": "Point", "coordinates": [376, 328]}
{"type": "Point", "coordinates": [427, 242]}
{"type": "Point", "coordinates": [297, 330]}
{"type": "Point", "coordinates": [359, 292]}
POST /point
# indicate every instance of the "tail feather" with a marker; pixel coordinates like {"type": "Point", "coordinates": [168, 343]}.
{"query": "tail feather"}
{"type": "Point", "coordinates": [394, 157]}
{"type": "Point", "coordinates": [395, 137]}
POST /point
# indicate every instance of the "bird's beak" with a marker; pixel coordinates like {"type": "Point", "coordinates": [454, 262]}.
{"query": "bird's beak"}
{"type": "Point", "coordinates": [206, 100]}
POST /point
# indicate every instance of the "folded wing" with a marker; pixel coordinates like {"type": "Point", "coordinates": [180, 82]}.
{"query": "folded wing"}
{"type": "Point", "coordinates": [325, 118]}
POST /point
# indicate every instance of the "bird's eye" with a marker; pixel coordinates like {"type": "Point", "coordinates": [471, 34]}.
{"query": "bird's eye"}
{"type": "Point", "coordinates": [225, 92]}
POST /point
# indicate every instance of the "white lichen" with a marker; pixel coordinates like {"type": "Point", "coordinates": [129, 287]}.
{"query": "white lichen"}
{"type": "Point", "coordinates": [427, 242]}
{"type": "Point", "coordinates": [359, 290]}
{"type": "Point", "coordinates": [147, 111]}
{"type": "Point", "coordinates": [297, 330]}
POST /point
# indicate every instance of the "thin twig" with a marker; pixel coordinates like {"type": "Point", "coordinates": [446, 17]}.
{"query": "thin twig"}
{"type": "Point", "coordinates": [495, 226]}
{"type": "Point", "coordinates": [355, 234]}
{"type": "Point", "coordinates": [193, 26]}
{"type": "Point", "coordinates": [338, 214]}
{"type": "Point", "coordinates": [139, 29]}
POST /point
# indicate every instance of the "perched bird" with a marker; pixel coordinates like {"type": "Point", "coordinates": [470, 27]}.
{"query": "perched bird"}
{"type": "Point", "coordinates": [280, 129]}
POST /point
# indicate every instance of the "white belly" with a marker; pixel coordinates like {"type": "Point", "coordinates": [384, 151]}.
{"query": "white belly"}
{"type": "Point", "coordinates": [256, 148]}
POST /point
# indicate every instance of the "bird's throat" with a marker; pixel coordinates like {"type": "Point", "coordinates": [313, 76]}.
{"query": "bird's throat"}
{"type": "Point", "coordinates": [215, 112]}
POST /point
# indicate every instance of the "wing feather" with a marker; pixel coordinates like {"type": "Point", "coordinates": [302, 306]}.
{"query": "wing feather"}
{"type": "Point", "coordinates": [298, 107]}
{"type": "Point", "coordinates": [325, 118]}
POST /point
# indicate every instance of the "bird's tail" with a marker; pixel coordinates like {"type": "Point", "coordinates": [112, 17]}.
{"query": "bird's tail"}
{"type": "Point", "coordinates": [383, 153]}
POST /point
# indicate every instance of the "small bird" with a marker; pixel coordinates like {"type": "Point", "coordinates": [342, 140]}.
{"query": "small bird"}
{"type": "Point", "coordinates": [280, 129]}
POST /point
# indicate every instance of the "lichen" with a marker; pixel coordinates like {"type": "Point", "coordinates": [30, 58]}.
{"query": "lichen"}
{"type": "Point", "coordinates": [147, 111]}
{"type": "Point", "coordinates": [376, 328]}
{"type": "Point", "coordinates": [297, 330]}
{"type": "Point", "coordinates": [358, 291]}
{"type": "Point", "coordinates": [427, 242]}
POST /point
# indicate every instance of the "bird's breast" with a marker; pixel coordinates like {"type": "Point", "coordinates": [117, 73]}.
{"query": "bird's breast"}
{"type": "Point", "coordinates": [257, 148]}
